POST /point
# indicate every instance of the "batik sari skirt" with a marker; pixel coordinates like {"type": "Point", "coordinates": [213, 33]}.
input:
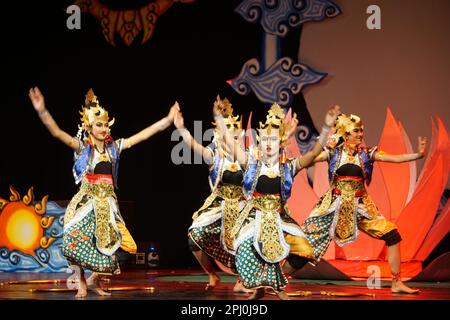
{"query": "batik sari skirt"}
{"type": "Point", "coordinates": [214, 222]}
{"type": "Point", "coordinates": [91, 233]}
{"type": "Point", "coordinates": [266, 235]}
{"type": "Point", "coordinates": [341, 212]}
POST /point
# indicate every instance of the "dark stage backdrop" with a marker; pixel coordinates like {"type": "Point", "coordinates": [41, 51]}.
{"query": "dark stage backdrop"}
{"type": "Point", "coordinates": [195, 48]}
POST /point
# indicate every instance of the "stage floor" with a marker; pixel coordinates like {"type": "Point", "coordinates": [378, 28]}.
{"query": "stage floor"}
{"type": "Point", "coordinates": [190, 285]}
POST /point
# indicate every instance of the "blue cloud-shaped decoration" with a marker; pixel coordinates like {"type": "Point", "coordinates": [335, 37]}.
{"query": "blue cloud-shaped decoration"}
{"type": "Point", "coordinates": [279, 83]}
{"type": "Point", "coordinates": [276, 16]}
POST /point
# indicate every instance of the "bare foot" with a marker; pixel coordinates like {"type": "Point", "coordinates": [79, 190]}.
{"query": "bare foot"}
{"type": "Point", "coordinates": [213, 282]}
{"type": "Point", "coordinates": [257, 294]}
{"type": "Point", "coordinates": [93, 283]}
{"type": "Point", "coordinates": [399, 287]}
{"type": "Point", "coordinates": [82, 289]}
{"type": "Point", "coordinates": [99, 291]}
{"type": "Point", "coordinates": [239, 288]}
{"type": "Point", "coordinates": [283, 295]}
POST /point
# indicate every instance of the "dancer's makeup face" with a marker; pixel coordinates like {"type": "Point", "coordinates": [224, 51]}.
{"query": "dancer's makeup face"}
{"type": "Point", "coordinates": [100, 130]}
{"type": "Point", "coordinates": [269, 143]}
{"type": "Point", "coordinates": [356, 136]}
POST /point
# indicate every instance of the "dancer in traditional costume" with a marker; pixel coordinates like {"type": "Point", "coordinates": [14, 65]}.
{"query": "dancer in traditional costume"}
{"type": "Point", "coordinates": [347, 207]}
{"type": "Point", "coordinates": [265, 234]}
{"type": "Point", "coordinates": [210, 235]}
{"type": "Point", "coordinates": [93, 226]}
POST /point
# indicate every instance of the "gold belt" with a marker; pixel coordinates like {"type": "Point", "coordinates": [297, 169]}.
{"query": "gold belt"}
{"type": "Point", "coordinates": [100, 190]}
{"type": "Point", "coordinates": [268, 237]}
{"type": "Point", "coordinates": [349, 190]}
{"type": "Point", "coordinates": [229, 191]}
{"type": "Point", "coordinates": [349, 186]}
{"type": "Point", "coordinates": [267, 203]}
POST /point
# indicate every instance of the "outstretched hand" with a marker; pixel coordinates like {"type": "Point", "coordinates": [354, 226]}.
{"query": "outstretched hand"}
{"type": "Point", "coordinates": [421, 145]}
{"type": "Point", "coordinates": [179, 120]}
{"type": "Point", "coordinates": [331, 115]}
{"type": "Point", "coordinates": [292, 125]}
{"type": "Point", "coordinates": [173, 111]}
{"type": "Point", "coordinates": [37, 99]}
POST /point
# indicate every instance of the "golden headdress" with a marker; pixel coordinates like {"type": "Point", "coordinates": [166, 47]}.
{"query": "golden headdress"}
{"type": "Point", "coordinates": [92, 111]}
{"type": "Point", "coordinates": [224, 107]}
{"type": "Point", "coordinates": [275, 120]}
{"type": "Point", "coordinates": [345, 124]}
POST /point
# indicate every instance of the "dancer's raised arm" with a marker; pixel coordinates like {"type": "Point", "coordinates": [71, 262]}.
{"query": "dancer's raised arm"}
{"type": "Point", "coordinates": [292, 126]}
{"type": "Point", "coordinates": [37, 99]}
{"type": "Point", "coordinates": [151, 130]}
{"type": "Point", "coordinates": [398, 158]}
{"type": "Point", "coordinates": [229, 143]}
{"type": "Point", "coordinates": [206, 153]}
{"type": "Point", "coordinates": [316, 153]}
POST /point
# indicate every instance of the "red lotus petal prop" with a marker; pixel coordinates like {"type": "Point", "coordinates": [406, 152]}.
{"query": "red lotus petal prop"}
{"type": "Point", "coordinates": [418, 216]}
{"type": "Point", "coordinates": [302, 199]}
{"type": "Point", "coordinates": [320, 180]}
{"type": "Point", "coordinates": [412, 164]}
{"type": "Point", "coordinates": [437, 232]}
{"type": "Point", "coordinates": [396, 175]}
{"type": "Point", "coordinates": [378, 191]}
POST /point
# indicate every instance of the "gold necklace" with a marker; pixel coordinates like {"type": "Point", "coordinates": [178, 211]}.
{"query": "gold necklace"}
{"type": "Point", "coordinates": [267, 162]}
{"type": "Point", "coordinates": [270, 172]}
{"type": "Point", "coordinates": [350, 157]}
{"type": "Point", "coordinates": [103, 156]}
{"type": "Point", "coordinates": [351, 151]}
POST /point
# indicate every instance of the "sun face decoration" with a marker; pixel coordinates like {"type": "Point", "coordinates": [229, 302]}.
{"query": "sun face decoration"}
{"type": "Point", "coordinates": [22, 223]}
